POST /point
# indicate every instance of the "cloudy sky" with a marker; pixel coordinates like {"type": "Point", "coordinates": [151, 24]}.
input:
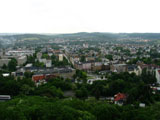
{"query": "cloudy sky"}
{"type": "Point", "coordinates": [70, 16]}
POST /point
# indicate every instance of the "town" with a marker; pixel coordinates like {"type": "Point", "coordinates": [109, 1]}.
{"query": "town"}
{"type": "Point", "coordinates": [121, 73]}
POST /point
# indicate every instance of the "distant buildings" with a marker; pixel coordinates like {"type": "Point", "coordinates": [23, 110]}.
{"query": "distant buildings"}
{"type": "Point", "coordinates": [42, 75]}
{"type": "Point", "coordinates": [20, 52]}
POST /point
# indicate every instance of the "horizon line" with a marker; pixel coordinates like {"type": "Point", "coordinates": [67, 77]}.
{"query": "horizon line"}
{"type": "Point", "coordinates": [12, 33]}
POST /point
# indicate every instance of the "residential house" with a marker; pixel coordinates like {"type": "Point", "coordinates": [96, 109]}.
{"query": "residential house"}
{"type": "Point", "coordinates": [120, 98]}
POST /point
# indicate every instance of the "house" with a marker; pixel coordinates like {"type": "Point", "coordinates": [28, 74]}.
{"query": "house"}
{"type": "Point", "coordinates": [120, 98]}
{"type": "Point", "coordinates": [37, 78]}
{"type": "Point", "coordinates": [133, 69]}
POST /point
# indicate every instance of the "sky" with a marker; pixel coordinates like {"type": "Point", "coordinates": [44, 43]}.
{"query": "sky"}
{"type": "Point", "coordinates": [71, 16]}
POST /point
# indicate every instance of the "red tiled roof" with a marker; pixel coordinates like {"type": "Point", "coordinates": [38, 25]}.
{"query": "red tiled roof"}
{"type": "Point", "coordinates": [119, 96]}
{"type": "Point", "coordinates": [36, 78]}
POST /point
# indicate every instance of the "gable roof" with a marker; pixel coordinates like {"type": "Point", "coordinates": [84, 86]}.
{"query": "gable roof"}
{"type": "Point", "coordinates": [36, 78]}
{"type": "Point", "coordinates": [119, 96]}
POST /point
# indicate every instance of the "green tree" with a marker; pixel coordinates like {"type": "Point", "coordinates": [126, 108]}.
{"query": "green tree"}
{"type": "Point", "coordinates": [82, 93]}
{"type": "Point", "coordinates": [28, 74]}
{"type": "Point", "coordinates": [12, 65]}
{"type": "Point", "coordinates": [83, 58]}
{"type": "Point", "coordinates": [110, 57]}
{"type": "Point", "coordinates": [4, 66]}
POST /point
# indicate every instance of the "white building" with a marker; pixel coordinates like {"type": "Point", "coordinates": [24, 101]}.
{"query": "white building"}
{"type": "Point", "coordinates": [43, 60]}
{"type": "Point", "coordinates": [39, 55]}
{"type": "Point", "coordinates": [60, 57]}
{"type": "Point", "coordinates": [158, 75]}
{"type": "Point", "coordinates": [85, 45]}
{"type": "Point", "coordinates": [49, 63]}
{"type": "Point", "coordinates": [20, 52]}
{"type": "Point", "coordinates": [21, 60]}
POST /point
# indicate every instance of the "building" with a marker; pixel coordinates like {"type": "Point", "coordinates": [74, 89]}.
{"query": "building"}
{"type": "Point", "coordinates": [86, 66]}
{"type": "Point", "coordinates": [158, 75]}
{"type": "Point", "coordinates": [21, 60]}
{"type": "Point", "coordinates": [37, 78]}
{"type": "Point", "coordinates": [29, 65]}
{"type": "Point", "coordinates": [90, 59]}
{"type": "Point", "coordinates": [4, 98]}
{"type": "Point", "coordinates": [120, 98]}
{"type": "Point", "coordinates": [74, 59]}
{"type": "Point", "coordinates": [39, 55]}
{"type": "Point", "coordinates": [20, 52]}
{"type": "Point", "coordinates": [60, 57]}
{"type": "Point", "coordinates": [43, 60]}
{"type": "Point", "coordinates": [119, 68]}
{"type": "Point", "coordinates": [5, 74]}
{"type": "Point", "coordinates": [49, 63]}
{"type": "Point", "coordinates": [41, 73]}
{"type": "Point", "coordinates": [133, 69]}
{"type": "Point", "coordinates": [4, 61]}
{"type": "Point", "coordinates": [78, 65]}
{"type": "Point", "coordinates": [97, 66]}
{"type": "Point", "coordinates": [85, 45]}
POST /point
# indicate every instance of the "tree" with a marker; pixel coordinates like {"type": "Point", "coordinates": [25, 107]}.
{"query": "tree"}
{"type": "Point", "coordinates": [49, 91]}
{"type": "Point", "coordinates": [82, 93]}
{"type": "Point", "coordinates": [12, 65]}
{"type": "Point", "coordinates": [81, 76]}
{"type": "Point", "coordinates": [4, 66]}
{"type": "Point", "coordinates": [45, 56]}
{"type": "Point", "coordinates": [110, 57]}
{"type": "Point", "coordinates": [82, 59]}
{"type": "Point", "coordinates": [28, 74]}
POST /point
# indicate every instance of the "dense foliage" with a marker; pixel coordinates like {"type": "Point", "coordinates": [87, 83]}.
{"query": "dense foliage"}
{"type": "Point", "coordinates": [40, 108]}
{"type": "Point", "coordinates": [48, 102]}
